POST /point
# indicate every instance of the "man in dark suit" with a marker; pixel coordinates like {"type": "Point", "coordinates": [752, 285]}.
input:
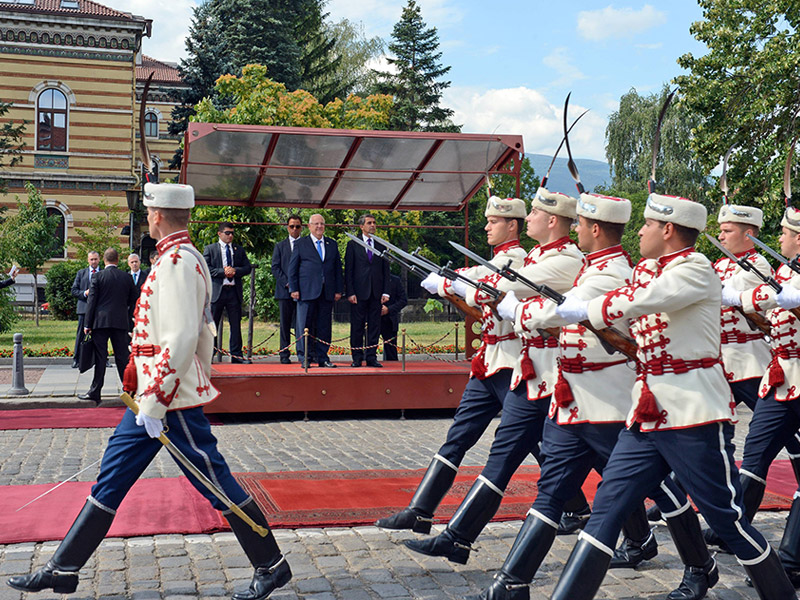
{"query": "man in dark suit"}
{"type": "Point", "coordinates": [280, 271]}
{"type": "Point", "coordinates": [228, 263]}
{"type": "Point", "coordinates": [390, 316]}
{"type": "Point", "coordinates": [138, 275]}
{"type": "Point", "coordinates": [315, 281]}
{"type": "Point", "coordinates": [366, 279]}
{"type": "Point", "coordinates": [80, 291]}
{"type": "Point", "coordinates": [109, 312]}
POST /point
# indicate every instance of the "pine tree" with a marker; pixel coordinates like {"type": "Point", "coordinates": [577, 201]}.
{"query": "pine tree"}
{"type": "Point", "coordinates": [416, 87]}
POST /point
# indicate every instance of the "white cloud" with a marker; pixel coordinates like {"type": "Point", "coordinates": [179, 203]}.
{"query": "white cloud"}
{"type": "Point", "coordinates": [527, 112]}
{"type": "Point", "coordinates": [610, 22]}
{"type": "Point", "coordinates": [170, 25]}
{"type": "Point", "coordinates": [561, 62]}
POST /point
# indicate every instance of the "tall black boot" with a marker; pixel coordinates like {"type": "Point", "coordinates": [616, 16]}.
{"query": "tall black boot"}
{"type": "Point", "coordinates": [795, 462]}
{"type": "Point", "coordinates": [770, 580]}
{"type": "Point", "coordinates": [418, 516]}
{"type": "Point", "coordinates": [533, 542]}
{"type": "Point", "coordinates": [789, 550]}
{"type": "Point", "coordinates": [752, 494]}
{"type": "Point", "coordinates": [639, 543]}
{"type": "Point", "coordinates": [61, 572]}
{"type": "Point", "coordinates": [271, 569]}
{"type": "Point", "coordinates": [700, 569]}
{"type": "Point", "coordinates": [455, 542]}
{"type": "Point", "coordinates": [583, 573]}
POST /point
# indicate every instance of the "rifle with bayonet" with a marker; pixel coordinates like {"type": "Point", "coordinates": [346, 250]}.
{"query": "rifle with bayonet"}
{"type": "Point", "coordinates": [459, 303]}
{"type": "Point", "coordinates": [771, 281]}
{"type": "Point", "coordinates": [755, 320]}
{"type": "Point", "coordinates": [608, 336]}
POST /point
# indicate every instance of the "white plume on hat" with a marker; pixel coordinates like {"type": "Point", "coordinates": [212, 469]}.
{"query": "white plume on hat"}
{"type": "Point", "coordinates": [510, 208]}
{"type": "Point", "coordinates": [554, 203]}
{"type": "Point", "coordinates": [604, 208]}
{"type": "Point", "coordinates": [168, 195]}
{"type": "Point", "coordinates": [738, 213]}
{"type": "Point", "coordinates": [673, 209]}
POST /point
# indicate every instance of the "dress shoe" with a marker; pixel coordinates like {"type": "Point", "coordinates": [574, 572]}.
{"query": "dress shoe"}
{"type": "Point", "coordinates": [241, 361]}
{"type": "Point", "coordinates": [374, 364]}
{"type": "Point", "coordinates": [74, 364]}
{"type": "Point", "coordinates": [630, 554]}
{"type": "Point", "coordinates": [285, 360]}
{"type": "Point", "coordinates": [327, 364]}
{"type": "Point", "coordinates": [355, 364]}
{"type": "Point", "coordinates": [88, 397]}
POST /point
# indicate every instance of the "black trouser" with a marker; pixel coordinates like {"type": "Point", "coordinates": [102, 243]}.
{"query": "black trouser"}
{"type": "Point", "coordinates": [229, 301]}
{"type": "Point", "coordinates": [389, 335]}
{"type": "Point", "coordinates": [119, 342]}
{"type": "Point", "coordinates": [365, 311]}
{"type": "Point", "coordinates": [288, 309]}
{"type": "Point", "coordinates": [78, 338]}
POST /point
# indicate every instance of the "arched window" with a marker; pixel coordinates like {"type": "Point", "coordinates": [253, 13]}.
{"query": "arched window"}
{"type": "Point", "coordinates": [51, 118]}
{"type": "Point", "coordinates": [151, 125]}
{"type": "Point", "coordinates": [61, 233]}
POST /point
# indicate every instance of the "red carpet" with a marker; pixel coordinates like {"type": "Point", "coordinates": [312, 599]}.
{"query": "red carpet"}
{"type": "Point", "coordinates": [289, 499]}
{"type": "Point", "coordinates": [66, 418]}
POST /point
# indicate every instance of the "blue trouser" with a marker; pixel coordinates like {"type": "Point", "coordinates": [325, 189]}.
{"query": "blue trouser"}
{"type": "Point", "coordinates": [773, 427]}
{"type": "Point", "coordinates": [570, 452]}
{"type": "Point", "coordinates": [519, 434]}
{"type": "Point", "coordinates": [767, 441]}
{"type": "Point", "coordinates": [702, 459]}
{"type": "Point", "coordinates": [130, 450]}
{"type": "Point", "coordinates": [317, 316]}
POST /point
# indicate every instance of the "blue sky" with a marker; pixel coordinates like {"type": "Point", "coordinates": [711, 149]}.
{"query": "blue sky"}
{"type": "Point", "coordinates": [514, 62]}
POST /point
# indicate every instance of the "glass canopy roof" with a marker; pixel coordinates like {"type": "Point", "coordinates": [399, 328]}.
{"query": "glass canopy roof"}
{"type": "Point", "coordinates": [255, 165]}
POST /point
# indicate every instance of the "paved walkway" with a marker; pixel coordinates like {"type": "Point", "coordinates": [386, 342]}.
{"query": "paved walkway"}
{"type": "Point", "coordinates": [329, 564]}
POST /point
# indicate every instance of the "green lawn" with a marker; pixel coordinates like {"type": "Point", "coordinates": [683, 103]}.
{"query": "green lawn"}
{"type": "Point", "coordinates": [52, 335]}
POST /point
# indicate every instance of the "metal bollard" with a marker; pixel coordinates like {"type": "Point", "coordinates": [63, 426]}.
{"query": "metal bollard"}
{"type": "Point", "coordinates": [305, 343]}
{"type": "Point", "coordinates": [456, 357]}
{"type": "Point", "coordinates": [18, 377]}
{"type": "Point", "coordinates": [404, 350]}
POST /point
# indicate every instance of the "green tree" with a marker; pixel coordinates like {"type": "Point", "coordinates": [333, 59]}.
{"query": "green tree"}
{"type": "Point", "coordinates": [31, 235]}
{"type": "Point", "coordinates": [102, 231]}
{"type": "Point", "coordinates": [11, 142]}
{"type": "Point", "coordinates": [417, 85]}
{"type": "Point", "coordinates": [355, 51]}
{"type": "Point", "coordinates": [629, 147]}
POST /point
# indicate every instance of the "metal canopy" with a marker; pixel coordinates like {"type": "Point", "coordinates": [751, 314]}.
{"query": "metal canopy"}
{"type": "Point", "coordinates": [256, 165]}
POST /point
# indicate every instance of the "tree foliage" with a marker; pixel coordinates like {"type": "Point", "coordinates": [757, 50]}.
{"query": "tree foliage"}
{"type": "Point", "coordinates": [31, 235]}
{"type": "Point", "coordinates": [416, 83]}
{"type": "Point", "coordinates": [355, 52]}
{"type": "Point", "coordinates": [102, 231]}
{"type": "Point", "coordinates": [11, 142]}
{"type": "Point", "coordinates": [745, 90]}
{"type": "Point", "coordinates": [629, 147]}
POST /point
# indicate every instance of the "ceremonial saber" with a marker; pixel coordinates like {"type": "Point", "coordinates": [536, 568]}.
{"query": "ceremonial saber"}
{"type": "Point", "coordinates": [58, 485]}
{"type": "Point", "coordinates": [181, 458]}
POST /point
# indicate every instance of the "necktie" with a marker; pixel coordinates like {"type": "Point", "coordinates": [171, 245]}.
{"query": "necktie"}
{"type": "Point", "coordinates": [369, 252]}
{"type": "Point", "coordinates": [93, 272]}
{"type": "Point", "coordinates": [319, 249]}
{"type": "Point", "coordinates": [135, 278]}
{"type": "Point", "coordinates": [228, 256]}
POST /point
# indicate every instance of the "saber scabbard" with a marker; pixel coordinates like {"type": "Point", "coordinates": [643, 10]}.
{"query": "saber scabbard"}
{"type": "Point", "coordinates": [181, 458]}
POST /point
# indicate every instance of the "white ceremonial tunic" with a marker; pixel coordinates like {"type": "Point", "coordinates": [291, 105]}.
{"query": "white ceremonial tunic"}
{"type": "Point", "coordinates": [598, 383]}
{"type": "Point", "coordinates": [555, 264]}
{"type": "Point", "coordinates": [783, 372]}
{"type": "Point", "coordinates": [745, 352]}
{"type": "Point", "coordinates": [171, 345]}
{"type": "Point", "coordinates": [500, 346]}
{"type": "Point", "coordinates": [675, 302]}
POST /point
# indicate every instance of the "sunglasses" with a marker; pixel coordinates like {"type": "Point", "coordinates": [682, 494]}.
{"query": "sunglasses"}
{"type": "Point", "coordinates": [295, 226]}
{"type": "Point", "coordinates": [227, 233]}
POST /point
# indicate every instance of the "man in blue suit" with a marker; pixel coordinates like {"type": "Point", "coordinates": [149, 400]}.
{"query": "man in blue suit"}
{"type": "Point", "coordinates": [316, 282]}
{"type": "Point", "coordinates": [280, 271]}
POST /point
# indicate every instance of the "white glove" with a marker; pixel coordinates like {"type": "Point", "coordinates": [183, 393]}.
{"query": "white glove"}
{"type": "Point", "coordinates": [154, 427]}
{"type": "Point", "coordinates": [573, 310]}
{"type": "Point", "coordinates": [789, 297]}
{"type": "Point", "coordinates": [431, 283]}
{"type": "Point", "coordinates": [507, 309]}
{"type": "Point", "coordinates": [459, 287]}
{"type": "Point", "coordinates": [731, 296]}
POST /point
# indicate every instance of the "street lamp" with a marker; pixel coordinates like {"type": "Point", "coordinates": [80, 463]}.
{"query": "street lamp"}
{"type": "Point", "coordinates": [132, 196]}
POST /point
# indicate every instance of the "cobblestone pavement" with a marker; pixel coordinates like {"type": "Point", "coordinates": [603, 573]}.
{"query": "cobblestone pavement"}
{"type": "Point", "coordinates": [328, 564]}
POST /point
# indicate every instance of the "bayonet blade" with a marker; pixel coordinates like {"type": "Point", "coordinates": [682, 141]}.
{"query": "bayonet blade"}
{"type": "Point", "coordinates": [55, 487]}
{"type": "Point", "coordinates": [768, 250]}
{"type": "Point", "coordinates": [475, 257]}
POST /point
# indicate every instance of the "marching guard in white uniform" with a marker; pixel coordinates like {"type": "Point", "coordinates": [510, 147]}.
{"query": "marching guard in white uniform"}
{"type": "Point", "coordinates": [169, 370]}
{"type": "Point", "coordinates": [682, 405]}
